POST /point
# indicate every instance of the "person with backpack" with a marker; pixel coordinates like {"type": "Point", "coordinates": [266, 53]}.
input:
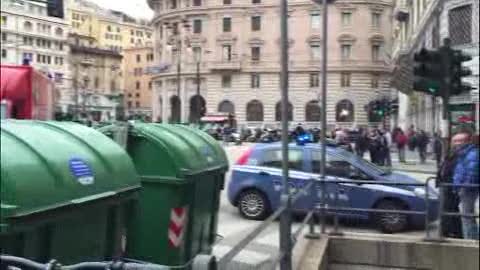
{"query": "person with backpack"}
{"type": "Point", "coordinates": [401, 142]}
{"type": "Point", "coordinates": [412, 138]}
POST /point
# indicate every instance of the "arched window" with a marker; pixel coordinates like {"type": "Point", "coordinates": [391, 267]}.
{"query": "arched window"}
{"type": "Point", "coordinates": [175, 109]}
{"type": "Point", "coordinates": [345, 111]}
{"type": "Point", "coordinates": [197, 108]}
{"type": "Point", "coordinates": [27, 25]}
{"type": "Point", "coordinates": [255, 111]}
{"type": "Point", "coordinates": [312, 112]}
{"type": "Point", "coordinates": [59, 31]}
{"type": "Point", "coordinates": [226, 106]}
{"type": "Point", "coordinates": [278, 111]}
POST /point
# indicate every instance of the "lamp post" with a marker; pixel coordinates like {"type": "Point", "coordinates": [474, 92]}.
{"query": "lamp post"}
{"type": "Point", "coordinates": [176, 45]}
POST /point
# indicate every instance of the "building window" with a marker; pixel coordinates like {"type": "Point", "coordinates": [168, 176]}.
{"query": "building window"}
{"type": "Point", "coordinates": [197, 3]}
{"type": "Point", "coordinates": [345, 78]}
{"type": "Point", "coordinates": [315, 21]}
{"type": "Point", "coordinates": [227, 52]}
{"type": "Point", "coordinates": [313, 112]}
{"type": "Point", "coordinates": [315, 51]}
{"type": "Point", "coordinates": [255, 53]}
{"type": "Point", "coordinates": [4, 21]}
{"type": "Point", "coordinates": [197, 26]}
{"type": "Point", "coordinates": [375, 81]}
{"type": "Point", "coordinates": [137, 104]}
{"type": "Point", "coordinates": [346, 51]}
{"type": "Point", "coordinates": [346, 18]}
{"type": "Point", "coordinates": [227, 24]}
{"type": "Point", "coordinates": [4, 53]}
{"type": "Point", "coordinates": [4, 37]}
{"type": "Point", "coordinates": [255, 111]}
{"type": "Point", "coordinates": [227, 2]}
{"type": "Point", "coordinates": [129, 104]}
{"type": "Point", "coordinates": [96, 82]}
{"type": "Point", "coordinates": [278, 112]}
{"type": "Point", "coordinates": [256, 23]}
{"type": "Point", "coordinates": [137, 85]}
{"type": "Point", "coordinates": [27, 26]}
{"type": "Point", "coordinates": [376, 19]}
{"type": "Point", "coordinates": [345, 111]}
{"type": "Point", "coordinates": [137, 95]}
{"type": "Point", "coordinates": [58, 78]}
{"type": "Point", "coordinates": [173, 4]}
{"type": "Point", "coordinates": [226, 81]}
{"type": "Point", "coordinates": [375, 52]}
{"type": "Point", "coordinates": [460, 25]}
{"type": "Point", "coordinates": [226, 106]}
{"type": "Point", "coordinates": [59, 31]}
{"type": "Point", "coordinates": [139, 58]}
{"type": "Point", "coordinates": [255, 80]}
{"type": "Point", "coordinates": [314, 80]}
{"type": "Point", "coordinates": [256, 1]}
{"type": "Point", "coordinates": [150, 85]}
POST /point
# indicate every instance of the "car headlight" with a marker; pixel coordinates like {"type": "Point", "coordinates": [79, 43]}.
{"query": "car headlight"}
{"type": "Point", "coordinates": [420, 192]}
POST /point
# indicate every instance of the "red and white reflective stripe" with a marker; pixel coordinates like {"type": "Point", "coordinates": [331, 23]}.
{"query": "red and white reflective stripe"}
{"type": "Point", "coordinates": [176, 228]}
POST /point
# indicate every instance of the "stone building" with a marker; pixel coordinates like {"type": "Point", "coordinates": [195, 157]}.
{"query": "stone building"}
{"type": "Point", "coordinates": [234, 46]}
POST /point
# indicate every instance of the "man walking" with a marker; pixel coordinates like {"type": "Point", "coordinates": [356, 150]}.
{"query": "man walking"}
{"type": "Point", "coordinates": [388, 144]}
{"type": "Point", "coordinates": [466, 173]}
{"type": "Point", "coordinates": [422, 143]}
{"type": "Point", "coordinates": [437, 148]}
{"type": "Point", "coordinates": [401, 140]}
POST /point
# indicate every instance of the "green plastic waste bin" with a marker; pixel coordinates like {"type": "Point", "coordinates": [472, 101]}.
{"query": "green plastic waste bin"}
{"type": "Point", "coordinates": [66, 192]}
{"type": "Point", "coordinates": [182, 172]}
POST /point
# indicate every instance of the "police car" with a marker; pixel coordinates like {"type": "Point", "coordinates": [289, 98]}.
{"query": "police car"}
{"type": "Point", "coordinates": [256, 185]}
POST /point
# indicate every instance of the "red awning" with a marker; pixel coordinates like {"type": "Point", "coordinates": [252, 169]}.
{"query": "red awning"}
{"type": "Point", "coordinates": [15, 82]}
{"type": "Point", "coordinates": [214, 119]}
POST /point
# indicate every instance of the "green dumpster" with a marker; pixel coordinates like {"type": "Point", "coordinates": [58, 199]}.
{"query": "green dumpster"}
{"type": "Point", "coordinates": [66, 192]}
{"type": "Point", "coordinates": [182, 172]}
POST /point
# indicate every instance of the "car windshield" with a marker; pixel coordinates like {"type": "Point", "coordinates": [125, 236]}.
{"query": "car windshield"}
{"type": "Point", "coordinates": [365, 164]}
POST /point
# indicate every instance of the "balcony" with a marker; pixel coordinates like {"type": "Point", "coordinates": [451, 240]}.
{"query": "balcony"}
{"type": "Point", "coordinates": [233, 65]}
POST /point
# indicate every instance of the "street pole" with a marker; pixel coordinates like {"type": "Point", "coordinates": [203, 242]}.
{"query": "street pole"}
{"type": "Point", "coordinates": [75, 82]}
{"type": "Point", "coordinates": [323, 135]}
{"type": "Point", "coordinates": [285, 219]}
{"type": "Point", "coordinates": [198, 93]}
{"type": "Point", "coordinates": [179, 66]}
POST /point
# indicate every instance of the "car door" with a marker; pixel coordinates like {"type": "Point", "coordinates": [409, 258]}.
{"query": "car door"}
{"type": "Point", "coordinates": [272, 159]}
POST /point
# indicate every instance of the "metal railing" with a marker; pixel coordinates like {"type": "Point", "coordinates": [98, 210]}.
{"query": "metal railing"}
{"type": "Point", "coordinates": [331, 209]}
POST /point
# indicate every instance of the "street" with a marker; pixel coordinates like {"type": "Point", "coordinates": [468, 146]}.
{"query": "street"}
{"type": "Point", "coordinates": [232, 227]}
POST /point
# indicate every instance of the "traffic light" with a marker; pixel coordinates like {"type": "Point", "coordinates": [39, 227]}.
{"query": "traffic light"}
{"type": "Point", "coordinates": [55, 8]}
{"type": "Point", "coordinates": [458, 72]}
{"type": "Point", "coordinates": [428, 72]}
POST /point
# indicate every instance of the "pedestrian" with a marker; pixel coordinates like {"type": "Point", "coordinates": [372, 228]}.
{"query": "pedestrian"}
{"type": "Point", "coordinates": [451, 225]}
{"type": "Point", "coordinates": [422, 143]}
{"type": "Point", "coordinates": [437, 148]}
{"type": "Point", "coordinates": [412, 138]}
{"type": "Point", "coordinates": [401, 141]}
{"type": "Point", "coordinates": [361, 145]}
{"type": "Point", "coordinates": [387, 145]}
{"type": "Point", "coordinates": [375, 147]}
{"type": "Point", "coordinates": [466, 173]}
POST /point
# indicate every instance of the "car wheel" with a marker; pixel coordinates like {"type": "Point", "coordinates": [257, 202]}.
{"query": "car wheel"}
{"type": "Point", "coordinates": [253, 205]}
{"type": "Point", "coordinates": [390, 222]}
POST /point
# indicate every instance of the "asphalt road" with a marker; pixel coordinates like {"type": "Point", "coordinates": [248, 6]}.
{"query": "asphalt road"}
{"type": "Point", "coordinates": [232, 227]}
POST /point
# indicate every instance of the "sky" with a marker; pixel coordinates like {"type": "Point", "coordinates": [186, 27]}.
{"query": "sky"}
{"type": "Point", "coordinates": [135, 8]}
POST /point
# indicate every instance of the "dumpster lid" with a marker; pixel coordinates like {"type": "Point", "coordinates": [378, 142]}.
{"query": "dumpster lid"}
{"type": "Point", "coordinates": [192, 151]}
{"type": "Point", "coordinates": [50, 165]}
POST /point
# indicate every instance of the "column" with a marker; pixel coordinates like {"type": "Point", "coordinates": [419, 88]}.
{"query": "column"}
{"type": "Point", "coordinates": [165, 102]}
{"type": "Point", "coordinates": [185, 102]}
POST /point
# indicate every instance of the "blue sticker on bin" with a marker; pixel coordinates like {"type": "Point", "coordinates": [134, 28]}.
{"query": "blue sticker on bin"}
{"type": "Point", "coordinates": [81, 171]}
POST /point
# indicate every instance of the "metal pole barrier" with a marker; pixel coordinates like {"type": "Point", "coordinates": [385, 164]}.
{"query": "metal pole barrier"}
{"type": "Point", "coordinates": [285, 219]}
{"type": "Point", "coordinates": [324, 108]}
{"type": "Point", "coordinates": [311, 233]}
{"type": "Point", "coordinates": [335, 214]}
{"type": "Point", "coordinates": [441, 203]}
{"type": "Point", "coordinates": [427, 210]}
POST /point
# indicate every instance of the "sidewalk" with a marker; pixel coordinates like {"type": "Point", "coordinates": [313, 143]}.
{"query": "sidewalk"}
{"type": "Point", "coordinates": [413, 163]}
